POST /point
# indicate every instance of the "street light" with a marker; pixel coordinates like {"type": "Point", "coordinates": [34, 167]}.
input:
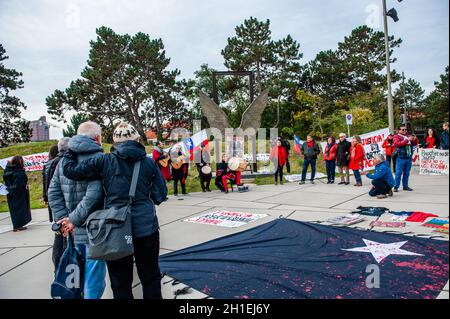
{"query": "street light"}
{"type": "Point", "coordinates": [393, 14]}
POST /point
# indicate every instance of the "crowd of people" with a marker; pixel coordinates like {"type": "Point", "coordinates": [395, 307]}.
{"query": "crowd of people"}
{"type": "Point", "coordinates": [79, 179]}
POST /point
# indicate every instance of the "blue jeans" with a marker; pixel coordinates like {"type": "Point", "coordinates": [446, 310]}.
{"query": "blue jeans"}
{"type": "Point", "coordinates": [403, 167]}
{"type": "Point", "coordinates": [357, 174]}
{"type": "Point", "coordinates": [94, 275]}
{"type": "Point", "coordinates": [306, 163]}
{"type": "Point", "coordinates": [331, 170]}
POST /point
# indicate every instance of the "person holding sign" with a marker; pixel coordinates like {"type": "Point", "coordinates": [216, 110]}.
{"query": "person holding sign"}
{"type": "Point", "coordinates": [357, 157]}
{"type": "Point", "coordinates": [404, 144]}
{"type": "Point", "coordinates": [16, 182]}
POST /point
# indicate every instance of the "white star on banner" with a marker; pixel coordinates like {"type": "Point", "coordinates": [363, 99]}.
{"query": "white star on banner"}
{"type": "Point", "coordinates": [380, 251]}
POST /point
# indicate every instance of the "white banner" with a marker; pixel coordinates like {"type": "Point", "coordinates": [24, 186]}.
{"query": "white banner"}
{"type": "Point", "coordinates": [225, 218]}
{"type": "Point", "coordinates": [433, 162]}
{"type": "Point", "coordinates": [372, 143]}
{"type": "Point", "coordinates": [3, 190]}
{"type": "Point", "coordinates": [298, 177]}
{"type": "Point", "coordinates": [33, 162]}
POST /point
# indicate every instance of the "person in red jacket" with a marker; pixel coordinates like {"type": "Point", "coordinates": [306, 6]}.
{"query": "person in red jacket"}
{"type": "Point", "coordinates": [278, 156]}
{"type": "Point", "coordinates": [391, 152]}
{"type": "Point", "coordinates": [329, 156]}
{"type": "Point", "coordinates": [159, 155]}
{"type": "Point", "coordinates": [431, 140]}
{"type": "Point", "coordinates": [357, 157]}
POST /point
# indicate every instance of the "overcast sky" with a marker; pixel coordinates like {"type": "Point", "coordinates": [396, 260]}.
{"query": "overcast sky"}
{"type": "Point", "coordinates": [48, 40]}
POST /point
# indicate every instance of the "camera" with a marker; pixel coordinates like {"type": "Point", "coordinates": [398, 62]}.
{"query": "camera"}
{"type": "Point", "coordinates": [56, 228]}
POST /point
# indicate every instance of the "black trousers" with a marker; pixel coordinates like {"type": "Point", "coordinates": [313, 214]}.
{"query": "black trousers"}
{"type": "Point", "coordinates": [59, 245]}
{"type": "Point", "coordinates": [205, 180]}
{"type": "Point", "coordinates": [146, 254]}
{"type": "Point", "coordinates": [288, 165]}
{"type": "Point", "coordinates": [380, 187]}
{"type": "Point", "coordinates": [280, 173]}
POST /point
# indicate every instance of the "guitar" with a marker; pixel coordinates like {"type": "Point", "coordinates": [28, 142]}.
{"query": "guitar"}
{"type": "Point", "coordinates": [177, 163]}
{"type": "Point", "coordinates": [165, 161]}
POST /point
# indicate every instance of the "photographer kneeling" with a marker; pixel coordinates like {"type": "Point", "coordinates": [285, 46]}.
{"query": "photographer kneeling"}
{"type": "Point", "coordinates": [382, 179]}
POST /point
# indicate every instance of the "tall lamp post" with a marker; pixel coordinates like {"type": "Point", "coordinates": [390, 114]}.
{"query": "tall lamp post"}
{"type": "Point", "coordinates": [393, 14]}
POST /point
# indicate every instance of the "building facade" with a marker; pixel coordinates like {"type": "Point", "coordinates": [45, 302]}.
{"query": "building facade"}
{"type": "Point", "coordinates": [41, 130]}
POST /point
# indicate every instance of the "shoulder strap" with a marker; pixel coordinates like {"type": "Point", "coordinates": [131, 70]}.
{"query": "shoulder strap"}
{"type": "Point", "coordinates": [134, 180]}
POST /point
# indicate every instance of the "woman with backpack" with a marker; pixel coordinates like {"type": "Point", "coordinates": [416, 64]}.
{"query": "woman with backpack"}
{"type": "Point", "coordinates": [116, 170]}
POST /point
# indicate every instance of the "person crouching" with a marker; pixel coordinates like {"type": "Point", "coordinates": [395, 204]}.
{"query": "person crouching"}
{"type": "Point", "coordinates": [382, 179]}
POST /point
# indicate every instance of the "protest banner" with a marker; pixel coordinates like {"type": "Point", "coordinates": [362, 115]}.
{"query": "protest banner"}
{"type": "Point", "coordinates": [433, 161]}
{"type": "Point", "coordinates": [225, 218]}
{"type": "Point", "coordinates": [372, 143]}
{"type": "Point", "coordinates": [33, 162]}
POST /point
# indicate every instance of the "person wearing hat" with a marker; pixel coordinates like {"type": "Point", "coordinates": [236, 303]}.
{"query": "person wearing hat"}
{"type": "Point", "coordinates": [202, 159]}
{"type": "Point", "coordinates": [115, 170]}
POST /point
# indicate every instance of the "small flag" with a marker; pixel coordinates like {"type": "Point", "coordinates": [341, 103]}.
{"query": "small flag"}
{"type": "Point", "coordinates": [297, 144]}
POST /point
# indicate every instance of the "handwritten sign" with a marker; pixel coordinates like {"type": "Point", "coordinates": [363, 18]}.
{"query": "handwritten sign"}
{"type": "Point", "coordinates": [225, 218]}
{"type": "Point", "coordinates": [33, 162]}
{"type": "Point", "coordinates": [433, 162]}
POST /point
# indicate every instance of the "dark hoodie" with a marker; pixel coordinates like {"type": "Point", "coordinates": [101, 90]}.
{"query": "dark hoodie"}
{"type": "Point", "coordinates": [18, 195]}
{"type": "Point", "coordinates": [116, 170]}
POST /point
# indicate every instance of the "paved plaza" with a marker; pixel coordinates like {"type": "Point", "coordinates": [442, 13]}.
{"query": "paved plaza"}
{"type": "Point", "coordinates": [26, 268]}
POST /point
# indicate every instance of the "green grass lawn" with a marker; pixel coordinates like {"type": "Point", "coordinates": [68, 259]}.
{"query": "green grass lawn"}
{"type": "Point", "coordinates": [193, 182]}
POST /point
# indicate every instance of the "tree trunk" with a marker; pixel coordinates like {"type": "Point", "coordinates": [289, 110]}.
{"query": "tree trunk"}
{"type": "Point", "coordinates": [258, 78]}
{"type": "Point", "coordinates": [158, 124]}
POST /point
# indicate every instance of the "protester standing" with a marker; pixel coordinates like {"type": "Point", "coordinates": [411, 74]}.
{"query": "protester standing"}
{"type": "Point", "coordinates": [162, 160]}
{"type": "Point", "coordinates": [391, 152]}
{"type": "Point", "coordinates": [73, 201]}
{"type": "Point", "coordinates": [310, 150]}
{"type": "Point", "coordinates": [202, 160]}
{"type": "Point", "coordinates": [343, 158]}
{"type": "Point", "coordinates": [179, 169]}
{"type": "Point", "coordinates": [431, 140]}
{"type": "Point", "coordinates": [279, 157]}
{"type": "Point", "coordinates": [357, 157]}
{"type": "Point", "coordinates": [444, 137]}
{"type": "Point", "coordinates": [382, 179]}
{"type": "Point", "coordinates": [47, 174]}
{"type": "Point", "coordinates": [404, 144]}
{"type": "Point", "coordinates": [116, 170]}
{"type": "Point", "coordinates": [330, 159]}
{"type": "Point", "coordinates": [16, 182]}
{"type": "Point", "coordinates": [287, 146]}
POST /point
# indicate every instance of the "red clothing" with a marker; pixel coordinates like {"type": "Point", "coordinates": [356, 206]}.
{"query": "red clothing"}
{"type": "Point", "coordinates": [165, 171]}
{"type": "Point", "coordinates": [332, 155]}
{"type": "Point", "coordinates": [431, 141]}
{"type": "Point", "coordinates": [280, 152]}
{"type": "Point", "coordinates": [311, 144]}
{"type": "Point", "coordinates": [232, 175]}
{"type": "Point", "coordinates": [357, 157]}
{"type": "Point", "coordinates": [389, 147]}
{"type": "Point", "coordinates": [419, 217]}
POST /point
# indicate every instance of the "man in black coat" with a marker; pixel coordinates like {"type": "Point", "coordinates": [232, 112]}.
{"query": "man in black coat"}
{"type": "Point", "coordinates": [343, 158]}
{"type": "Point", "coordinates": [310, 151]}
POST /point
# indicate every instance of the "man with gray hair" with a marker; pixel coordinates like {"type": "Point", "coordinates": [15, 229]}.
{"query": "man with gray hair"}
{"type": "Point", "coordinates": [382, 179]}
{"type": "Point", "coordinates": [72, 202]}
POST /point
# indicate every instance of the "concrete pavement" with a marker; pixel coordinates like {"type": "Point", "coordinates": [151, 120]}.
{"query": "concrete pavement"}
{"type": "Point", "coordinates": [25, 257]}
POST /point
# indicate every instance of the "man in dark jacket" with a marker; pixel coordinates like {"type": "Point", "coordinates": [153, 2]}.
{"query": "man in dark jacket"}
{"type": "Point", "coordinates": [343, 159]}
{"type": "Point", "coordinates": [202, 158]}
{"type": "Point", "coordinates": [73, 201]}
{"type": "Point", "coordinates": [310, 150]}
{"type": "Point", "coordinates": [444, 137]}
{"type": "Point", "coordinates": [116, 170]}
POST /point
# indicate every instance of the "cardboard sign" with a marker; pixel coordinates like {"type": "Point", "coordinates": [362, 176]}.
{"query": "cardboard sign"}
{"type": "Point", "coordinates": [225, 218]}
{"type": "Point", "coordinates": [433, 162]}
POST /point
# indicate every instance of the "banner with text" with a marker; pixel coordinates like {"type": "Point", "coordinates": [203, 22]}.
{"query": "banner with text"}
{"type": "Point", "coordinates": [433, 162]}
{"type": "Point", "coordinates": [34, 162]}
{"type": "Point", "coordinates": [372, 143]}
{"type": "Point", "coordinates": [225, 218]}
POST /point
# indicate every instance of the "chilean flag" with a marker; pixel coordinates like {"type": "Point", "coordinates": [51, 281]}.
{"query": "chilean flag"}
{"type": "Point", "coordinates": [297, 144]}
{"type": "Point", "coordinates": [193, 143]}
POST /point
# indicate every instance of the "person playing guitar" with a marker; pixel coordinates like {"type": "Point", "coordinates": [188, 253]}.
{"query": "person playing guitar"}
{"type": "Point", "coordinates": [162, 159]}
{"type": "Point", "coordinates": [180, 169]}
